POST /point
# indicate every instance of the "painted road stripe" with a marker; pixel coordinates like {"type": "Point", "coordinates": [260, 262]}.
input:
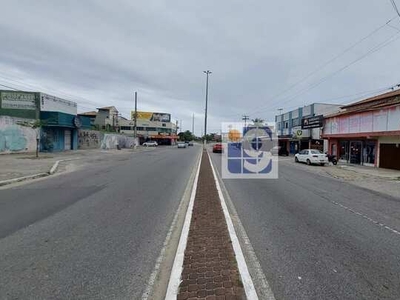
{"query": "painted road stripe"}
{"type": "Point", "coordinates": [175, 279]}
{"type": "Point", "coordinates": [259, 279]}
{"type": "Point", "coordinates": [249, 289]}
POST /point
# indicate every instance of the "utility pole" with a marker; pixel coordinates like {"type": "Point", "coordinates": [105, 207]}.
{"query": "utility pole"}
{"type": "Point", "coordinates": [180, 126]}
{"type": "Point", "coordinates": [193, 124]}
{"type": "Point", "coordinates": [208, 72]}
{"type": "Point", "coordinates": [245, 118]}
{"type": "Point", "coordinates": [135, 124]}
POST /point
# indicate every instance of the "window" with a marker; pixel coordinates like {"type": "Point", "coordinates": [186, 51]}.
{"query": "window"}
{"type": "Point", "coordinates": [164, 125]}
{"type": "Point", "coordinates": [126, 128]}
{"type": "Point", "coordinates": [151, 129]}
{"type": "Point", "coordinates": [286, 124]}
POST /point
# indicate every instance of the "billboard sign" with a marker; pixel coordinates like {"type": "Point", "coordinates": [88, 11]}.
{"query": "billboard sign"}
{"type": "Point", "coordinates": [312, 122]}
{"type": "Point", "coordinates": [152, 116]}
{"type": "Point", "coordinates": [18, 100]}
{"type": "Point", "coordinates": [51, 103]}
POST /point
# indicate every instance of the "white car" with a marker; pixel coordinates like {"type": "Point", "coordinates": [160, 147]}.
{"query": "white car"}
{"type": "Point", "coordinates": [150, 144]}
{"type": "Point", "coordinates": [311, 156]}
{"type": "Point", "coordinates": [182, 145]}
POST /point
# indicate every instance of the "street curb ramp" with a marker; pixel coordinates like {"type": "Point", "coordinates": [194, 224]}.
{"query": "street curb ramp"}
{"type": "Point", "coordinates": [52, 170]}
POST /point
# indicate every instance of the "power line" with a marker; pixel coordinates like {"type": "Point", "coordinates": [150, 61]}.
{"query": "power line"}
{"type": "Point", "coordinates": [385, 43]}
{"type": "Point", "coordinates": [322, 66]}
{"type": "Point", "coordinates": [395, 7]}
{"type": "Point", "coordinates": [11, 88]}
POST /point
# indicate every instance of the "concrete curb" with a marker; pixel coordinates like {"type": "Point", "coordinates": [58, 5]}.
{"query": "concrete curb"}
{"type": "Point", "coordinates": [54, 167]}
{"type": "Point", "coordinates": [34, 176]}
{"type": "Point", "coordinates": [19, 179]}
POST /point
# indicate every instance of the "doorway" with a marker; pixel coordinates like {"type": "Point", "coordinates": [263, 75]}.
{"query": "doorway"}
{"type": "Point", "coordinates": [355, 152]}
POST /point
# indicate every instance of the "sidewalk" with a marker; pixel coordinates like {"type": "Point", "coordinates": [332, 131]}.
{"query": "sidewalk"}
{"type": "Point", "coordinates": [14, 166]}
{"type": "Point", "coordinates": [209, 268]}
{"type": "Point", "coordinates": [371, 171]}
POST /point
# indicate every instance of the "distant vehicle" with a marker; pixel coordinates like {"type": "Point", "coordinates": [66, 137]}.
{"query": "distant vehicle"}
{"type": "Point", "coordinates": [311, 156]}
{"type": "Point", "coordinates": [278, 150]}
{"type": "Point", "coordinates": [182, 145]}
{"type": "Point", "coordinates": [150, 144]}
{"type": "Point", "coordinates": [217, 148]}
{"type": "Point", "coordinates": [190, 143]}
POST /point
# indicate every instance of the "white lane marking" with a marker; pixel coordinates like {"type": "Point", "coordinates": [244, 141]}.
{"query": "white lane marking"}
{"type": "Point", "coordinates": [160, 258]}
{"type": "Point", "coordinates": [260, 280]}
{"type": "Point", "coordinates": [175, 279]}
{"type": "Point", "coordinates": [366, 217]}
{"type": "Point", "coordinates": [249, 289]}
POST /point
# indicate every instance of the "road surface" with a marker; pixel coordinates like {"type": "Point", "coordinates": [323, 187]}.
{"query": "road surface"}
{"type": "Point", "coordinates": [320, 238]}
{"type": "Point", "coordinates": [91, 234]}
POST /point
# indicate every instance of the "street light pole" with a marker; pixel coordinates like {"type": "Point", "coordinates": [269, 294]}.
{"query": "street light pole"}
{"type": "Point", "coordinates": [208, 72]}
{"type": "Point", "coordinates": [135, 124]}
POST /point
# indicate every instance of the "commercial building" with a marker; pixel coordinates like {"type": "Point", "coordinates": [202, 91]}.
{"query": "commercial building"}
{"type": "Point", "coordinates": [60, 123]}
{"type": "Point", "coordinates": [302, 128]}
{"type": "Point", "coordinates": [367, 132]}
{"type": "Point", "coordinates": [91, 116]}
{"type": "Point", "coordinates": [150, 126]}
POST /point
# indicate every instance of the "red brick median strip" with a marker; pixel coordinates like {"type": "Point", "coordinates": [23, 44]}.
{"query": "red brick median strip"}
{"type": "Point", "coordinates": [209, 268]}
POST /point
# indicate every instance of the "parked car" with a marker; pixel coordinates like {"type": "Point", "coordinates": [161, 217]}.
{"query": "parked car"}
{"type": "Point", "coordinates": [217, 148]}
{"type": "Point", "coordinates": [150, 144]}
{"type": "Point", "coordinates": [182, 145]}
{"type": "Point", "coordinates": [278, 150]}
{"type": "Point", "coordinates": [190, 143]}
{"type": "Point", "coordinates": [311, 156]}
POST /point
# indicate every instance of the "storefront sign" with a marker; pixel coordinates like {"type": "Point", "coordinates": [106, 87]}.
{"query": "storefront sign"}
{"type": "Point", "coordinates": [77, 122]}
{"type": "Point", "coordinates": [299, 133]}
{"type": "Point", "coordinates": [312, 122]}
{"type": "Point", "coordinates": [18, 100]}
{"type": "Point", "coordinates": [152, 116]}
{"type": "Point", "coordinates": [51, 103]}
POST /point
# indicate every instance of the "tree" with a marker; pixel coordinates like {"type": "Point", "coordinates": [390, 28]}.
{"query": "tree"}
{"type": "Point", "coordinates": [186, 136]}
{"type": "Point", "coordinates": [37, 125]}
{"type": "Point", "coordinates": [258, 121]}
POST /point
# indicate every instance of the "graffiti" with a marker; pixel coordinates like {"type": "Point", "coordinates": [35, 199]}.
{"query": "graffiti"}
{"type": "Point", "coordinates": [110, 141]}
{"type": "Point", "coordinates": [15, 138]}
{"type": "Point", "coordinates": [89, 139]}
{"type": "Point", "coordinates": [12, 139]}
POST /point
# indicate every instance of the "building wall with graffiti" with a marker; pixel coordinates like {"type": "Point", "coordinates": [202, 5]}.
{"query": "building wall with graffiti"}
{"type": "Point", "coordinates": [89, 139]}
{"type": "Point", "coordinates": [15, 138]}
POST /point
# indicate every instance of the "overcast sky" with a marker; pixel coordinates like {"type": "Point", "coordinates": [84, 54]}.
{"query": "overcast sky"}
{"type": "Point", "coordinates": [98, 53]}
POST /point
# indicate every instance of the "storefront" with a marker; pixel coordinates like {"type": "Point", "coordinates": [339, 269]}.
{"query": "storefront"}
{"type": "Point", "coordinates": [60, 132]}
{"type": "Point", "coordinates": [367, 132]}
{"type": "Point", "coordinates": [60, 124]}
{"type": "Point", "coordinates": [355, 150]}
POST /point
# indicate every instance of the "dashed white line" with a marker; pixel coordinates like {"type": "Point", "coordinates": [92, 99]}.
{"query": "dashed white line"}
{"type": "Point", "coordinates": [366, 217]}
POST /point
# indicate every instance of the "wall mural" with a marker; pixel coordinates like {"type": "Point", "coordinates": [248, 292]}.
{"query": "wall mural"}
{"type": "Point", "coordinates": [16, 138]}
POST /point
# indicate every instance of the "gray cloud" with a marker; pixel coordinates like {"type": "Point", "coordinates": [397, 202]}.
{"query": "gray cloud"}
{"type": "Point", "coordinates": [99, 52]}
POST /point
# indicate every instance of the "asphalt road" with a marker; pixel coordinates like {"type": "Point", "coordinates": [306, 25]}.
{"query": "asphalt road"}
{"type": "Point", "coordinates": [91, 234]}
{"type": "Point", "coordinates": [320, 238]}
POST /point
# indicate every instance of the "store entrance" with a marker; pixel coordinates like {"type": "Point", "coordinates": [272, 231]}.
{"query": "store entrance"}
{"type": "Point", "coordinates": [355, 152]}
